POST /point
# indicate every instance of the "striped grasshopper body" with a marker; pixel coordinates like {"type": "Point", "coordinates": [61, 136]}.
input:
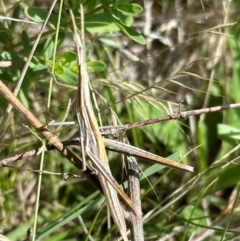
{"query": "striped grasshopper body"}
{"type": "Point", "coordinates": [91, 140]}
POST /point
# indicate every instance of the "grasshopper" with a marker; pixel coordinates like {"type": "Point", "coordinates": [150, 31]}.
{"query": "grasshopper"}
{"type": "Point", "coordinates": [91, 139]}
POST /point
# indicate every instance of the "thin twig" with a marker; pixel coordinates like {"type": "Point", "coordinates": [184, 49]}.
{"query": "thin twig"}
{"type": "Point", "coordinates": [175, 116]}
{"type": "Point", "coordinates": [111, 130]}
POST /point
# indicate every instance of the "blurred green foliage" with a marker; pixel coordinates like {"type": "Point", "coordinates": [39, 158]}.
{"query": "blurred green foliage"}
{"type": "Point", "coordinates": [139, 69]}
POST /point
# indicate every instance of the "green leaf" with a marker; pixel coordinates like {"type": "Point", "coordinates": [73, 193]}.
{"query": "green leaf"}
{"type": "Point", "coordinates": [100, 23]}
{"type": "Point", "coordinates": [116, 17]}
{"type": "Point", "coordinates": [202, 141]}
{"type": "Point", "coordinates": [9, 55]}
{"type": "Point", "coordinates": [196, 216]}
{"type": "Point", "coordinates": [95, 66]}
{"type": "Point", "coordinates": [67, 58]}
{"type": "Point", "coordinates": [19, 231]}
{"type": "Point", "coordinates": [91, 5]}
{"type": "Point", "coordinates": [37, 64]}
{"type": "Point", "coordinates": [15, 14]}
{"type": "Point", "coordinates": [4, 35]}
{"type": "Point", "coordinates": [58, 69]}
{"type": "Point", "coordinates": [24, 99]}
{"type": "Point", "coordinates": [48, 48]}
{"type": "Point", "coordinates": [228, 133]}
{"type": "Point", "coordinates": [67, 76]}
{"type": "Point", "coordinates": [131, 33]}
{"type": "Point", "coordinates": [228, 176]}
{"type": "Point", "coordinates": [233, 88]}
{"type": "Point", "coordinates": [129, 8]}
{"type": "Point", "coordinates": [26, 42]}
{"type": "Point", "coordinates": [39, 15]}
